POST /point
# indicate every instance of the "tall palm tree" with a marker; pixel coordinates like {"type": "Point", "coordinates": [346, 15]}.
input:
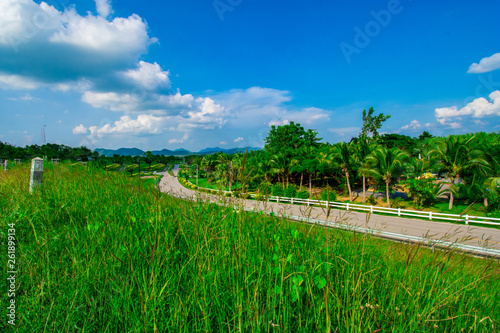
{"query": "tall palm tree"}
{"type": "Point", "coordinates": [363, 150]}
{"type": "Point", "coordinates": [280, 166]}
{"type": "Point", "coordinates": [455, 155]}
{"type": "Point", "coordinates": [387, 164]}
{"type": "Point", "coordinates": [343, 155]}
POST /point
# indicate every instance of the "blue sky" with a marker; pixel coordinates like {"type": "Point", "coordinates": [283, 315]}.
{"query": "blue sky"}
{"type": "Point", "coordinates": [196, 74]}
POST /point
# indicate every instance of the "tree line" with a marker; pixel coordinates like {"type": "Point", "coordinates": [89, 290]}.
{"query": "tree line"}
{"type": "Point", "coordinates": [295, 159]}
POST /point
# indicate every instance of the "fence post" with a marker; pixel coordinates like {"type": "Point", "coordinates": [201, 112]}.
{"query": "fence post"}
{"type": "Point", "coordinates": [6, 165]}
{"type": "Point", "coordinates": [291, 201]}
{"type": "Point", "coordinates": [371, 209]}
{"type": "Point", "coordinates": [327, 204]}
{"type": "Point", "coordinates": [466, 218]}
{"type": "Point", "coordinates": [430, 215]}
{"type": "Point", "coordinates": [308, 202]}
{"type": "Point", "coordinates": [399, 211]}
{"type": "Point", "coordinates": [278, 200]}
{"type": "Point", "coordinates": [36, 174]}
{"type": "Point", "coordinates": [347, 206]}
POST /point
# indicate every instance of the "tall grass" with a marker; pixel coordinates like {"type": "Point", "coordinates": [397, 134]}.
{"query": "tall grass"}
{"type": "Point", "coordinates": [102, 253]}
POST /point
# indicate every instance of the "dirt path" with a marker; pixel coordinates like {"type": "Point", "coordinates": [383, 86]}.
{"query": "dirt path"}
{"type": "Point", "coordinates": [478, 240]}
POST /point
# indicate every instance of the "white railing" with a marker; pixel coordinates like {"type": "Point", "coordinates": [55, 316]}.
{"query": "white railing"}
{"type": "Point", "coordinates": [385, 210]}
{"type": "Point", "coordinates": [432, 216]}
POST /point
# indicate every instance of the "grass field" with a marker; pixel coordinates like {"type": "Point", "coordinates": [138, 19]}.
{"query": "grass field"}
{"type": "Point", "coordinates": [102, 252]}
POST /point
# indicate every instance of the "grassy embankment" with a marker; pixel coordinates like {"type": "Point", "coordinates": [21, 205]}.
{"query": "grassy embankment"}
{"type": "Point", "coordinates": [100, 252]}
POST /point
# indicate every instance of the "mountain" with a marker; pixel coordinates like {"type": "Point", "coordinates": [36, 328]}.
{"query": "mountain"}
{"type": "Point", "coordinates": [167, 152]}
{"type": "Point", "coordinates": [121, 151]}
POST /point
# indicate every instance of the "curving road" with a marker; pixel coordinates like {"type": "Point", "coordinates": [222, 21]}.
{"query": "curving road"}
{"type": "Point", "coordinates": [473, 239]}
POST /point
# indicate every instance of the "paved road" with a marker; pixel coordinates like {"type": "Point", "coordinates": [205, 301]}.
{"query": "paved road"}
{"type": "Point", "coordinates": [479, 240]}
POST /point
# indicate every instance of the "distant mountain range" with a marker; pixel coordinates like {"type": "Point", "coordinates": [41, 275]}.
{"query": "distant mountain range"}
{"type": "Point", "coordinates": [167, 152]}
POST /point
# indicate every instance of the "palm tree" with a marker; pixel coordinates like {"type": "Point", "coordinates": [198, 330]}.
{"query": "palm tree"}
{"type": "Point", "coordinates": [386, 164]}
{"type": "Point", "coordinates": [364, 149]}
{"type": "Point", "coordinates": [455, 155]}
{"type": "Point", "coordinates": [343, 155]}
{"type": "Point", "coordinates": [280, 163]}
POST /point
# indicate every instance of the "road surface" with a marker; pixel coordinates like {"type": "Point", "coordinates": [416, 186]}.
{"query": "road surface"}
{"type": "Point", "coordinates": [478, 240]}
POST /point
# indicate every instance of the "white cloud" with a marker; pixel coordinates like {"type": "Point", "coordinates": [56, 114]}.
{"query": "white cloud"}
{"type": "Point", "coordinates": [223, 143]}
{"type": "Point", "coordinates": [144, 124]}
{"type": "Point", "coordinates": [103, 7]}
{"type": "Point", "coordinates": [478, 108]}
{"type": "Point", "coordinates": [239, 139]}
{"type": "Point", "coordinates": [18, 82]}
{"type": "Point", "coordinates": [480, 123]}
{"type": "Point", "coordinates": [455, 125]}
{"type": "Point", "coordinates": [281, 122]}
{"type": "Point", "coordinates": [486, 64]}
{"type": "Point", "coordinates": [184, 138]}
{"type": "Point", "coordinates": [97, 34]}
{"type": "Point", "coordinates": [149, 76]}
{"type": "Point", "coordinates": [208, 115]}
{"type": "Point", "coordinates": [111, 100]}
{"type": "Point", "coordinates": [80, 129]}
{"type": "Point", "coordinates": [413, 125]}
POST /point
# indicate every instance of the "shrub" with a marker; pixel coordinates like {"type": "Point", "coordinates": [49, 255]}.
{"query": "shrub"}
{"type": "Point", "coordinates": [290, 191]}
{"type": "Point", "coordinates": [371, 200]}
{"type": "Point", "coordinates": [397, 202]}
{"type": "Point", "coordinates": [328, 195]}
{"type": "Point", "coordinates": [259, 197]}
{"type": "Point", "coordinates": [277, 190]}
{"type": "Point", "coordinates": [227, 194]}
{"type": "Point", "coordinates": [303, 194]}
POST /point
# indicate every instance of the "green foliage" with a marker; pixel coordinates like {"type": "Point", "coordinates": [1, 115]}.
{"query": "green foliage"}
{"type": "Point", "coordinates": [371, 124]}
{"type": "Point", "coordinates": [423, 191]}
{"type": "Point", "coordinates": [328, 195]}
{"type": "Point", "coordinates": [259, 197]}
{"type": "Point", "coordinates": [290, 191]}
{"type": "Point", "coordinates": [371, 200]}
{"type": "Point", "coordinates": [302, 194]}
{"type": "Point", "coordinates": [277, 190]}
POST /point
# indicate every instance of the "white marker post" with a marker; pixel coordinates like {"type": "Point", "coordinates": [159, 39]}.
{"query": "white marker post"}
{"type": "Point", "coordinates": [36, 174]}
{"type": "Point", "coordinates": [6, 165]}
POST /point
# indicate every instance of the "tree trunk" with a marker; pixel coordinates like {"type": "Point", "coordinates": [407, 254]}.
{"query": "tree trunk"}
{"type": "Point", "coordinates": [452, 195]}
{"type": "Point", "coordinates": [348, 185]}
{"type": "Point", "coordinates": [485, 202]}
{"type": "Point", "coordinates": [364, 189]}
{"type": "Point", "coordinates": [387, 194]}
{"type": "Point", "coordinates": [310, 184]}
{"type": "Point", "coordinates": [301, 178]}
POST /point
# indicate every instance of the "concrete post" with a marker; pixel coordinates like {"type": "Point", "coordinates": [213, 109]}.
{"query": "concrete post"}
{"type": "Point", "coordinates": [6, 165]}
{"type": "Point", "coordinates": [36, 174]}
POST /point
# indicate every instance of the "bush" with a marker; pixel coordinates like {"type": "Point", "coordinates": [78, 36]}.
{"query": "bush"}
{"type": "Point", "coordinates": [227, 194]}
{"type": "Point", "coordinates": [303, 194]}
{"type": "Point", "coordinates": [397, 203]}
{"type": "Point", "coordinates": [290, 191]}
{"type": "Point", "coordinates": [277, 190]}
{"type": "Point", "coordinates": [371, 200]}
{"type": "Point", "coordinates": [328, 195]}
{"type": "Point", "coordinates": [259, 197]}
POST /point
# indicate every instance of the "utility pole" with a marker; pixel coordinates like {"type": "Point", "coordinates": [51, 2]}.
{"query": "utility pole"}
{"type": "Point", "coordinates": [43, 135]}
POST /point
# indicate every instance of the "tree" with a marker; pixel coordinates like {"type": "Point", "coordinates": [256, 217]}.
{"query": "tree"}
{"type": "Point", "coordinates": [149, 158]}
{"type": "Point", "coordinates": [363, 150]}
{"type": "Point", "coordinates": [371, 124]}
{"type": "Point", "coordinates": [343, 155]}
{"type": "Point", "coordinates": [387, 164]}
{"type": "Point", "coordinates": [455, 156]}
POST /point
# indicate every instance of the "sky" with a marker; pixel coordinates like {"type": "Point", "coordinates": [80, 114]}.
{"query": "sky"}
{"type": "Point", "coordinates": [219, 73]}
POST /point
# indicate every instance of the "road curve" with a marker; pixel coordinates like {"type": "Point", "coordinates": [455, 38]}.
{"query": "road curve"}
{"type": "Point", "coordinates": [478, 240]}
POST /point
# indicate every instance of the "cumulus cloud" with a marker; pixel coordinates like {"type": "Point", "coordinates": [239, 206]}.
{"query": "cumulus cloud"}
{"type": "Point", "coordinates": [478, 108]}
{"type": "Point", "coordinates": [413, 125]}
{"type": "Point", "coordinates": [239, 139]}
{"type": "Point", "coordinates": [80, 129]}
{"type": "Point", "coordinates": [184, 138]}
{"type": "Point", "coordinates": [37, 37]}
{"type": "Point", "coordinates": [486, 64]}
{"type": "Point", "coordinates": [208, 115]}
{"type": "Point", "coordinates": [103, 7]}
{"type": "Point", "coordinates": [18, 82]}
{"type": "Point", "coordinates": [147, 75]}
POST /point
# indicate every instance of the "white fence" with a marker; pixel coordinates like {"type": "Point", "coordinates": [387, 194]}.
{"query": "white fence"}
{"type": "Point", "coordinates": [432, 216]}
{"type": "Point", "coordinates": [394, 211]}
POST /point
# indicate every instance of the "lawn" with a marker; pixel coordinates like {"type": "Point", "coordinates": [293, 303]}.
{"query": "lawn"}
{"type": "Point", "coordinates": [100, 252]}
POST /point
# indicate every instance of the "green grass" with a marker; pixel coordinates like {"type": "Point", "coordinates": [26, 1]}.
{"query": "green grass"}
{"type": "Point", "coordinates": [100, 252]}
